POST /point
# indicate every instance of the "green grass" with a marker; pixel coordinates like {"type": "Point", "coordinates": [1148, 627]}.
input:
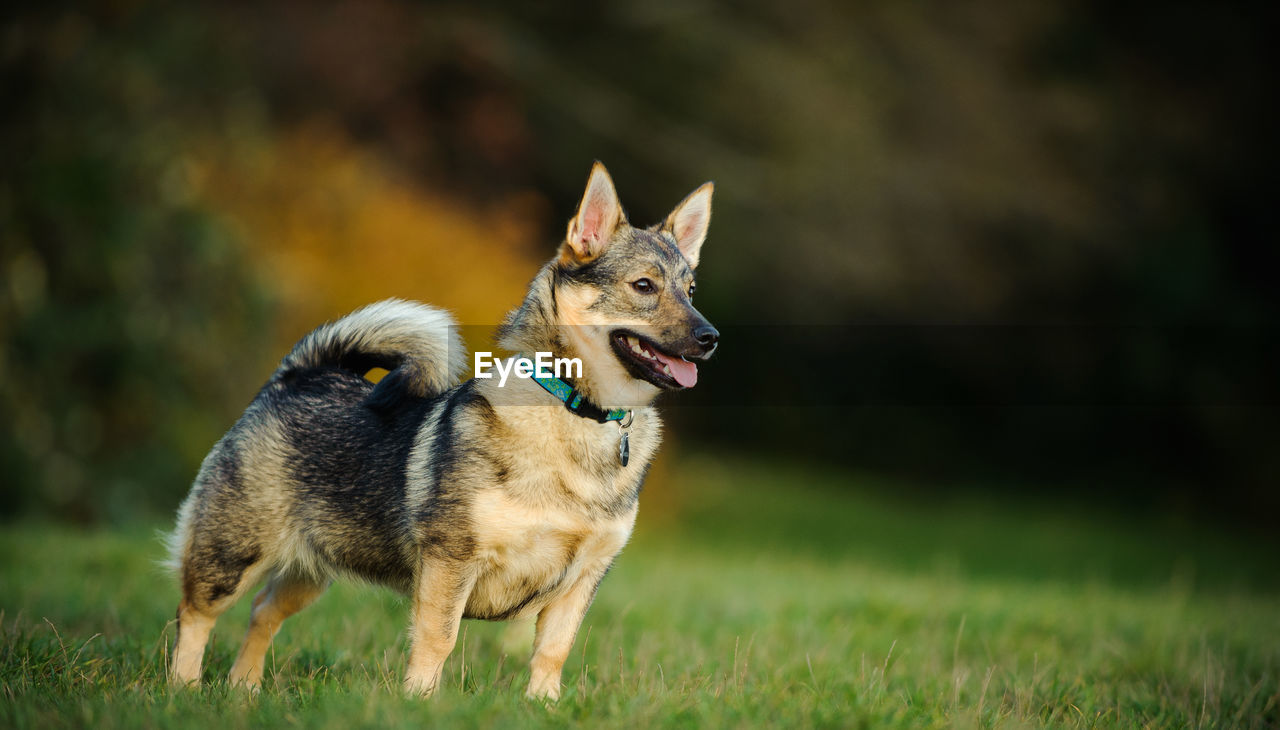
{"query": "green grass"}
{"type": "Point", "coordinates": [753, 595]}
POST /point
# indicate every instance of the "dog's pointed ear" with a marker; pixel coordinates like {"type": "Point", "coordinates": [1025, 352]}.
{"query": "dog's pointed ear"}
{"type": "Point", "coordinates": [689, 222]}
{"type": "Point", "coordinates": [598, 216]}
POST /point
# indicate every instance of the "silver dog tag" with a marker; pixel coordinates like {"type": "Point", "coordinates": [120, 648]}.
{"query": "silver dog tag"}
{"type": "Point", "coordinates": [624, 443]}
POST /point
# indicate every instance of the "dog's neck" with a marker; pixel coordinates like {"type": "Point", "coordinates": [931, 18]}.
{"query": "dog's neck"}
{"type": "Point", "coordinates": [539, 325]}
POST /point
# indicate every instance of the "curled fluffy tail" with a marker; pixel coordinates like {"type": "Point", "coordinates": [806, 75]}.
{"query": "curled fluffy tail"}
{"type": "Point", "coordinates": [420, 343]}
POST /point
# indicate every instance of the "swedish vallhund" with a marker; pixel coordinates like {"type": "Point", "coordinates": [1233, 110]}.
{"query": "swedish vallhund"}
{"type": "Point", "coordinates": [468, 497]}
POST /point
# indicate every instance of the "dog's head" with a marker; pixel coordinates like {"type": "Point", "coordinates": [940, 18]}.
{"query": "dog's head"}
{"type": "Point", "coordinates": [627, 293]}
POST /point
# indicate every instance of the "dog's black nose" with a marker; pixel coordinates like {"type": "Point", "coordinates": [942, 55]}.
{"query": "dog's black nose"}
{"type": "Point", "coordinates": [706, 335]}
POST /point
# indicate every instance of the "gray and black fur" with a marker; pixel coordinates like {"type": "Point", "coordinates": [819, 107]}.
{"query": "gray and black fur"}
{"type": "Point", "coordinates": [459, 494]}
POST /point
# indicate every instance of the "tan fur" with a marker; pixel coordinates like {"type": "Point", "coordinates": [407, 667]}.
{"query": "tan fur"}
{"type": "Point", "coordinates": [558, 627]}
{"type": "Point", "coordinates": [586, 332]}
{"type": "Point", "coordinates": [188, 654]}
{"type": "Point", "coordinates": [438, 605]}
{"type": "Point", "coordinates": [282, 597]}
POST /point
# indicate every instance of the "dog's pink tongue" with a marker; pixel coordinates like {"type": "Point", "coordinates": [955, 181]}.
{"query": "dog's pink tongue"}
{"type": "Point", "coordinates": [685, 372]}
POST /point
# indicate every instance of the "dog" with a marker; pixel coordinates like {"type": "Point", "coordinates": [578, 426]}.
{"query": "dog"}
{"type": "Point", "coordinates": [478, 500]}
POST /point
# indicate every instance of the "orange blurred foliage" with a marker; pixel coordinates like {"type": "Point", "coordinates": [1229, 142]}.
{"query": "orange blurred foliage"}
{"type": "Point", "coordinates": [331, 227]}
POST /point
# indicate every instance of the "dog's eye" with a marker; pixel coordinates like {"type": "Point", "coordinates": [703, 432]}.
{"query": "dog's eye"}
{"type": "Point", "coordinates": [644, 286]}
{"type": "Point", "coordinates": [692, 289]}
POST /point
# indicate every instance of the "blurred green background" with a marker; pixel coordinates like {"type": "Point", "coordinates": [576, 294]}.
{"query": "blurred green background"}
{"type": "Point", "coordinates": [1002, 249]}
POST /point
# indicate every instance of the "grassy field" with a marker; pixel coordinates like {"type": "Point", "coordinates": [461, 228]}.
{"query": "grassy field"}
{"type": "Point", "coordinates": [754, 595]}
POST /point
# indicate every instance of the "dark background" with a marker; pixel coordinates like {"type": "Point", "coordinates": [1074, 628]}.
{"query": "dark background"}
{"type": "Point", "coordinates": [1008, 248]}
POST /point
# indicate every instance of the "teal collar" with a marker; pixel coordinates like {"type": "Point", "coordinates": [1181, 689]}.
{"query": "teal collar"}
{"type": "Point", "coordinates": [577, 403]}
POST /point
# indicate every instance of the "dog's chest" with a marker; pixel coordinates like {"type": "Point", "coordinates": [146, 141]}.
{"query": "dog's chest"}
{"type": "Point", "coordinates": [527, 555]}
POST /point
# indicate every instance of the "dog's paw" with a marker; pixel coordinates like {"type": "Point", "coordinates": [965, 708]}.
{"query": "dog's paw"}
{"type": "Point", "coordinates": [546, 689]}
{"type": "Point", "coordinates": [420, 686]}
{"type": "Point", "coordinates": [250, 688]}
{"type": "Point", "coordinates": [183, 683]}
{"type": "Point", "coordinates": [245, 680]}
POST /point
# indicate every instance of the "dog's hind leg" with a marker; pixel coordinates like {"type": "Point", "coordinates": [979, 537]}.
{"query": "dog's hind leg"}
{"type": "Point", "coordinates": [194, 626]}
{"type": "Point", "coordinates": [284, 595]}
{"type": "Point", "coordinates": [215, 574]}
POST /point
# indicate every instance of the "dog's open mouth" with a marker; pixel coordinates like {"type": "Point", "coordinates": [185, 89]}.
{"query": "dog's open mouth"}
{"type": "Point", "coordinates": [648, 362]}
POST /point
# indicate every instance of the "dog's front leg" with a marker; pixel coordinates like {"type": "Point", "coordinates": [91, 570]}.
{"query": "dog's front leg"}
{"type": "Point", "coordinates": [557, 627]}
{"type": "Point", "coordinates": [438, 603]}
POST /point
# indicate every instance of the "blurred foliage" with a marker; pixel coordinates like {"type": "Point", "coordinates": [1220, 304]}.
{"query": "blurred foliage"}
{"type": "Point", "coordinates": [188, 188]}
{"type": "Point", "coordinates": [124, 299]}
{"type": "Point", "coordinates": [343, 234]}
{"type": "Point", "coordinates": [153, 218]}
